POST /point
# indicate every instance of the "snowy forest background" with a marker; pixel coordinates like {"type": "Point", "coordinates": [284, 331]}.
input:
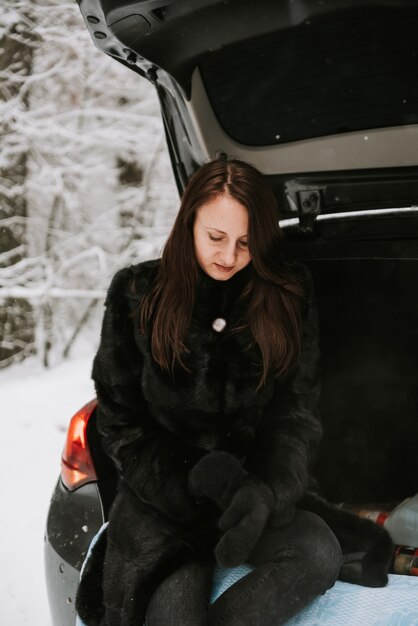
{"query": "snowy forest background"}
{"type": "Point", "coordinates": [85, 184]}
{"type": "Point", "coordinates": [85, 188]}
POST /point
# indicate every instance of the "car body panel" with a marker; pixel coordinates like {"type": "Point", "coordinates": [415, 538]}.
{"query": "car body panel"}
{"type": "Point", "coordinates": [379, 148]}
{"type": "Point", "coordinates": [74, 518]}
{"type": "Point", "coordinates": [62, 584]}
{"type": "Point", "coordinates": [297, 64]}
{"type": "Point", "coordinates": [175, 35]}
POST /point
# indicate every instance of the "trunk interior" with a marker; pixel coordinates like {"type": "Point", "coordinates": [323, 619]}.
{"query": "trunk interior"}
{"type": "Point", "coordinates": [365, 271]}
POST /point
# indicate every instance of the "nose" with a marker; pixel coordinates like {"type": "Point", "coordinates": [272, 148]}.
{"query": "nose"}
{"type": "Point", "coordinates": [228, 255]}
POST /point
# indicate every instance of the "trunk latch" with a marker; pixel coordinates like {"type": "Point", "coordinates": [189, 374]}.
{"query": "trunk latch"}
{"type": "Point", "coordinates": [309, 207]}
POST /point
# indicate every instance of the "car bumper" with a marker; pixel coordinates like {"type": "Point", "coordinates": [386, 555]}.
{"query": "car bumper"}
{"type": "Point", "coordinates": [73, 520]}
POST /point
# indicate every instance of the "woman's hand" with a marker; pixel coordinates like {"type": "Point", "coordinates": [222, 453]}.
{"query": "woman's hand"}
{"type": "Point", "coordinates": [216, 476]}
{"type": "Point", "coordinates": [243, 522]}
{"type": "Point", "coordinates": [246, 504]}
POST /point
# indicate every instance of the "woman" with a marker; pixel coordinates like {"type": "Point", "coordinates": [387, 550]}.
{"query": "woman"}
{"type": "Point", "coordinates": [207, 386]}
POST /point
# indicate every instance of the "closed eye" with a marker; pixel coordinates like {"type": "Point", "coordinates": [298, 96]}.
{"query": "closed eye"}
{"type": "Point", "coordinates": [242, 244]}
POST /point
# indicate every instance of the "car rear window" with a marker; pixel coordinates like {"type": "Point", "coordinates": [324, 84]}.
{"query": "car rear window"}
{"type": "Point", "coordinates": [350, 71]}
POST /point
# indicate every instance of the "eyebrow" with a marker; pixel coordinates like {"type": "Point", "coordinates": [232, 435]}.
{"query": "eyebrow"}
{"type": "Point", "coordinates": [223, 232]}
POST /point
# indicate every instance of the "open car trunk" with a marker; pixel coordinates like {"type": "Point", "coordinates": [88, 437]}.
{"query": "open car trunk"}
{"type": "Point", "coordinates": [365, 271]}
{"type": "Point", "coordinates": [322, 97]}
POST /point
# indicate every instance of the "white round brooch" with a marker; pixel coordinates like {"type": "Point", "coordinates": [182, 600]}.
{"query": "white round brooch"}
{"type": "Point", "coordinates": [219, 324]}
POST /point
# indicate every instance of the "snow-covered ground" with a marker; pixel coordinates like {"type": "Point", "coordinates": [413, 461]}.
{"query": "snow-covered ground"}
{"type": "Point", "coordinates": [35, 408]}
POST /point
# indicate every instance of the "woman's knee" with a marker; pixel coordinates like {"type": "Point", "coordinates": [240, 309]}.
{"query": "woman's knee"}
{"type": "Point", "coordinates": [318, 547]}
{"type": "Point", "coordinates": [307, 542]}
{"type": "Point", "coordinates": [182, 597]}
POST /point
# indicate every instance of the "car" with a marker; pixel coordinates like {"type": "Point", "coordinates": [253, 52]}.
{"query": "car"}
{"type": "Point", "coordinates": [322, 97]}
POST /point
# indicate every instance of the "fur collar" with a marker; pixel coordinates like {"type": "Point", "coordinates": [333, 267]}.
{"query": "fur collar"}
{"type": "Point", "coordinates": [221, 299]}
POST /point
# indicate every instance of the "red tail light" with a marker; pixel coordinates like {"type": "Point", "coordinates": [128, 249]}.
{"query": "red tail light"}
{"type": "Point", "coordinates": [76, 464]}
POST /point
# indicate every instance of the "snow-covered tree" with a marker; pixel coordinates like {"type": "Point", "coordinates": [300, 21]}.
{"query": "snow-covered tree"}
{"type": "Point", "coordinates": [95, 190]}
{"type": "Point", "coordinates": [17, 41]}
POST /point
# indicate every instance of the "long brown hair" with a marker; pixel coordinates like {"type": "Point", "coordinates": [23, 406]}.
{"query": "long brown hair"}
{"type": "Point", "coordinates": [274, 293]}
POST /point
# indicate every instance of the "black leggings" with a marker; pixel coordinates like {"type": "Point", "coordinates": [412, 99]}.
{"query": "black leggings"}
{"type": "Point", "coordinates": [293, 565]}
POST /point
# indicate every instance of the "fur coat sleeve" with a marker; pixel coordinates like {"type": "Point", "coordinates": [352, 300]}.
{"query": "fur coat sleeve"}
{"type": "Point", "coordinates": [289, 431]}
{"type": "Point", "coordinates": [153, 461]}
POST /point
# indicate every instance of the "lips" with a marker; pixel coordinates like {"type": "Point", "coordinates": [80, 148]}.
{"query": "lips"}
{"type": "Point", "coordinates": [222, 268]}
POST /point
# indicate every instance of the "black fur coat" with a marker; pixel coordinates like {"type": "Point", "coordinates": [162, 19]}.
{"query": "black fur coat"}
{"type": "Point", "coordinates": [157, 428]}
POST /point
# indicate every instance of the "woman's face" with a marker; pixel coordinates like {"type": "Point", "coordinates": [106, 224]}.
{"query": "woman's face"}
{"type": "Point", "coordinates": [220, 234]}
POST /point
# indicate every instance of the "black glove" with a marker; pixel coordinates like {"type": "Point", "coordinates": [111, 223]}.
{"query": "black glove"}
{"type": "Point", "coordinates": [217, 476]}
{"type": "Point", "coordinates": [243, 522]}
{"type": "Point", "coordinates": [247, 504]}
